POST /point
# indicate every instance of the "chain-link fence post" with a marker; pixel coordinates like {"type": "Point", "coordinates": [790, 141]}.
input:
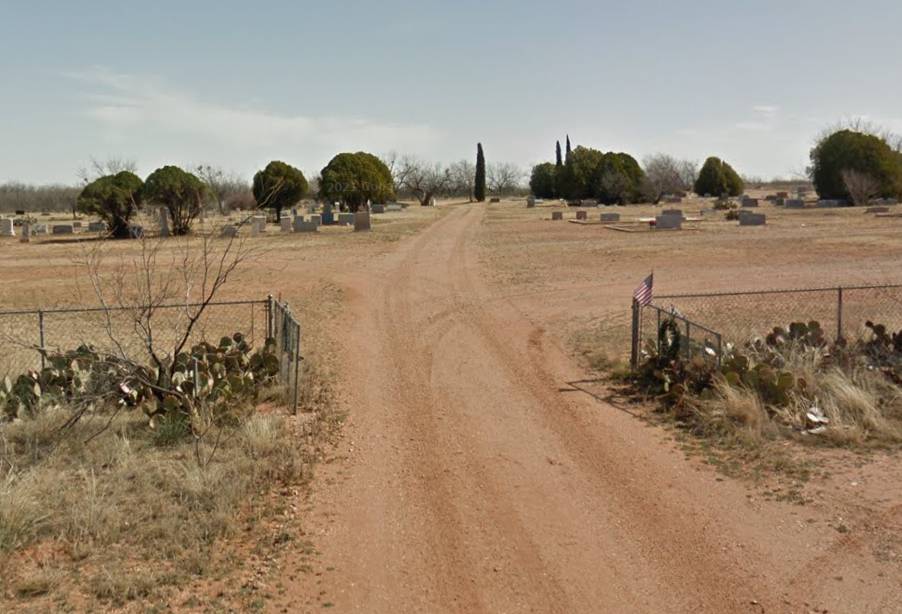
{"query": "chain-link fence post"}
{"type": "Point", "coordinates": [688, 341]}
{"type": "Point", "coordinates": [634, 348]}
{"type": "Point", "coordinates": [297, 365]}
{"type": "Point", "coordinates": [41, 337]}
{"type": "Point", "coordinates": [269, 315]}
{"type": "Point", "coordinates": [839, 313]}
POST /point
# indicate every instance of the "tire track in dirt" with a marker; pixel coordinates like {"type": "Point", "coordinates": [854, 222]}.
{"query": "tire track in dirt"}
{"type": "Point", "coordinates": [475, 484]}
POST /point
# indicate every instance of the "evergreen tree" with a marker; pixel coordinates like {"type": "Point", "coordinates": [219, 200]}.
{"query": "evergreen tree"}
{"type": "Point", "coordinates": [479, 189]}
{"type": "Point", "coordinates": [568, 148]}
{"type": "Point", "coordinates": [559, 162]}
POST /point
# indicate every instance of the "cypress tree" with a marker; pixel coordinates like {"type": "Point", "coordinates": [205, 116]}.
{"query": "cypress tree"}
{"type": "Point", "coordinates": [479, 189]}
{"type": "Point", "coordinates": [558, 161]}
{"type": "Point", "coordinates": [568, 148]}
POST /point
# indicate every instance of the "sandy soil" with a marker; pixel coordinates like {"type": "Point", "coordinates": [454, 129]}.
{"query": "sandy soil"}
{"type": "Point", "coordinates": [473, 476]}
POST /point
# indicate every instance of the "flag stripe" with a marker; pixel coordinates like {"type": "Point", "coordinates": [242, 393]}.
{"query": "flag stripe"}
{"type": "Point", "coordinates": [644, 294]}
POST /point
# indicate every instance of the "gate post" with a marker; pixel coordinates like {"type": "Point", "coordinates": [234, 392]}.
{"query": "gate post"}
{"type": "Point", "coordinates": [634, 349]}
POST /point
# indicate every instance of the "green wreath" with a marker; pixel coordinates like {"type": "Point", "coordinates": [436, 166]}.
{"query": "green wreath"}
{"type": "Point", "coordinates": [669, 339]}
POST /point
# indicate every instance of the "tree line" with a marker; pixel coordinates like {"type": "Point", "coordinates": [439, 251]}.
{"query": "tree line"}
{"type": "Point", "coordinates": [114, 193]}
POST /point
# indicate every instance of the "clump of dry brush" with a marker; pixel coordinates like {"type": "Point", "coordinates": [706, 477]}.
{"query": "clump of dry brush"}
{"type": "Point", "coordinates": [791, 384]}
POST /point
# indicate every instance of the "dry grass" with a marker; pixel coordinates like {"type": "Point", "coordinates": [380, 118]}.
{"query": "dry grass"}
{"type": "Point", "coordinates": [130, 513]}
{"type": "Point", "coordinates": [863, 407]}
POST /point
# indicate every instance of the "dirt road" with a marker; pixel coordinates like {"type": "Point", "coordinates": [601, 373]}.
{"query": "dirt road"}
{"type": "Point", "coordinates": [474, 478]}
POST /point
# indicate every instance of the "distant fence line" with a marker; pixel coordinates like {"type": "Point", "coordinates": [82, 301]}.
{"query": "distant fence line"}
{"type": "Point", "coordinates": [737, 317]}
{"type": "Point", "coordinates": [27, 335]}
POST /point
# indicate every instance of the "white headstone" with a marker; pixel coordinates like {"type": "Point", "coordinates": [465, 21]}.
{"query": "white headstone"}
{"type": "Point", "coordinates": [6, 227]}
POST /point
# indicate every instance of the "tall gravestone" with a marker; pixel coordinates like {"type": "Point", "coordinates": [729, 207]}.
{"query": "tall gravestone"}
{"type": "Point", "coordinates": [164, 222]}
{"type": "Point", "coordinates": [6, 228]}
{"type": "Point", "coordinates": [26, 233]}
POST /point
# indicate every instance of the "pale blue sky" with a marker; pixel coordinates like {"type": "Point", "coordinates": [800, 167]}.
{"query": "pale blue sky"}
{"type": "Point", "coordinates": [239, 83]}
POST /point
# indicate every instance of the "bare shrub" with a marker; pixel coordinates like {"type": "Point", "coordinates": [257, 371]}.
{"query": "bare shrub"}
{"type": "Point", "coordinates": [861, 186]}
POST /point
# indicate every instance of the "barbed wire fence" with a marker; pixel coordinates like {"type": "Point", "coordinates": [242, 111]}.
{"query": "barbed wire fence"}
{"type": "Point", "coordinates": [709, 321]}
{"type": "Point", "coordinates": [27, 336]}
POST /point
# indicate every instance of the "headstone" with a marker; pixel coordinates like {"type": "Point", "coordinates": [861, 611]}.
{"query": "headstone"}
{"type": "Point", "coordinates": [301, 226]}
{"type": "Point", "coordinates": [669, 222]}
{"type": "Point", "coordinates": [783, 195]}
{"type": "Point", "coordinates": [39, 229]}
{"type": "Point", "coordinates": [747, 218]}
{"type": "Point", "coordinates": [316, 219]}
{"type": "Point", "coordinates": [530, 201]}
{"type": "Point", "coordinates": [76, 225]}
{"type": "Point", "coordinates": [20, 212]}
{"type": "Point", "coordinates": [26, 233]}
{"type": "Point", "coordinates": [136, 232]}
{"type": "Point", "coordinates": [6, 227]}
{"type": "Point", "coordinates": [392, 207]}
{"type": "Point", "coordinates": [877, 210]}
{"type": "Point", "coordinates": [361, 221]}
{"type": "Point", "coordinates": [770, 198]}
{"type": "Point", "coordinates": [891, 201]}
{"type": "Point", "coordinates": [557, 215]}
{"type": "Point", "coordinates": [539, 201]}
{"type": "Point", "coordinates": [254, 228]}
{"type": "Point", "coordinates": [164, 222]}
{"type": "Point", "coordinates": [582, 215]}
{"type": "Point", "coordinates": [610, 217]}
{"type": "Point", "coordinates": [750, 203]}
{"type": "Point", "coordinates": [259, 221]}
{"type": "Point", "coordinates": [345, 219]}
{"type": "Point", "coordinates": [62, 229]}
{"type": "Point", "coordinates": [827, 204]}
{"type": "Point", "coordinates": [794, 203]}
{"type": "Point", "coordinates": [285, 224]}
{"type": "Point", "coordinates": [97, 227]}
{"type": "Point", "coordinates": [494, 199]}
{"type": "Point", "coordinates": [377, 208]}
{"type": "Point", "coordinates": [229, 231]}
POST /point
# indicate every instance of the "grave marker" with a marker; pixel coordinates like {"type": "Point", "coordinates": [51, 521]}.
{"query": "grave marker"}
{"type": "Point", "coordinates": [62, 229]}
{"type": "Point", "coordinates": [669, 222]}
{"type": "Point", "coordinates": [361, 221]}
{"type": "Point", "coordinates": [6, 228]}
{"type": "Point", "coordinates": [557, 215]}
{"type": "Point", "coordinates": [747, 218]}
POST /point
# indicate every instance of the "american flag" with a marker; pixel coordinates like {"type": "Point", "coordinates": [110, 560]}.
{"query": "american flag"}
{"type": "Point", "coordinates": [643, 293]}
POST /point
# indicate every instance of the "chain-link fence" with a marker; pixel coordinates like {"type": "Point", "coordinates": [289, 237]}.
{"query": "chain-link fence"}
{"type": "Point", "coordinates": [740, 316]}
{"type": "Point", "coordinates": [26, 336]}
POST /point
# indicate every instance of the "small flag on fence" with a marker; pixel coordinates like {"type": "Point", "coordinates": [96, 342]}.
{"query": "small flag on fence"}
{"type": "Point", "coordinates": [643, 294]}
